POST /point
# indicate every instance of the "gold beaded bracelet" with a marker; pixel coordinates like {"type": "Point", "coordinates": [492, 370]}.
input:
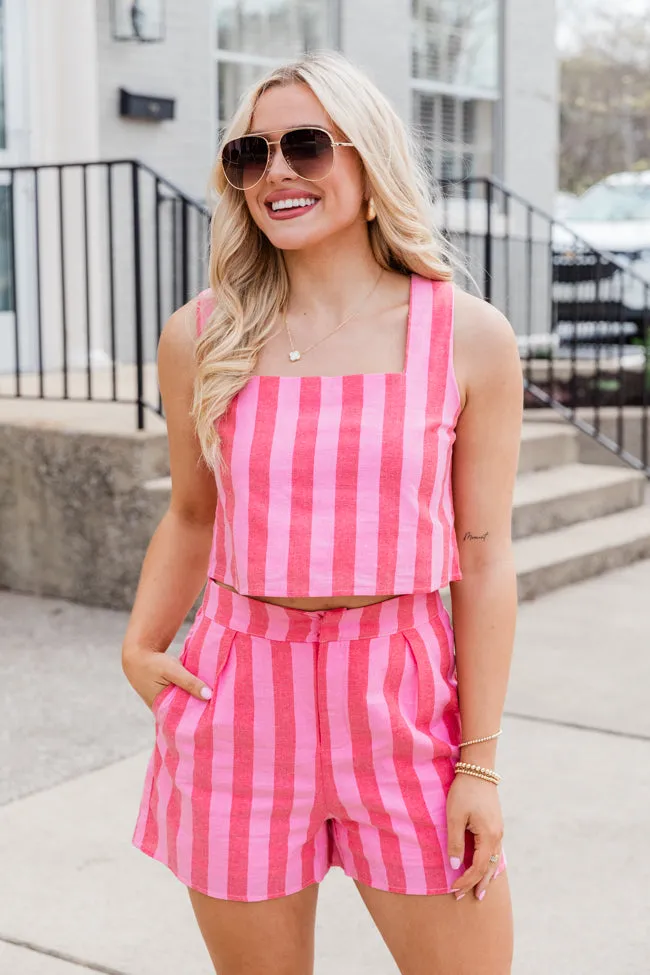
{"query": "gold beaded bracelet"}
{"type": "Point", "coordinates": [477, 768]}
{"type": "Point", "coordinates": [478, 775]}
{"type": "Point", "coordinates": [481, 775]}
{"type": "Point", "coordinates": [479, 771]}
{"type": "Point", "coordinates": [476, 741]}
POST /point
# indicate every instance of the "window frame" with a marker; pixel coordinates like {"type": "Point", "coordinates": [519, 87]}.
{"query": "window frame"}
{"type": "Point", "coordinates": [439, 89]}
{"type": "Point", "coordinates": [225, 56]}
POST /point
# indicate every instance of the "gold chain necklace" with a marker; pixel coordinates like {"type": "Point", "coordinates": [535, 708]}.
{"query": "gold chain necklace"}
{"type": "Point", "coordinates": [294, 354]}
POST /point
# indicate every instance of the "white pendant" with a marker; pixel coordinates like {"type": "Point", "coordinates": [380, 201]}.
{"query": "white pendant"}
{"type": "Point", "coordinates": [294, 355]}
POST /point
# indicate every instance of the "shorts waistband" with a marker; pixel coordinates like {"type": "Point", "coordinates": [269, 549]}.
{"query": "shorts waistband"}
{"type": "Point", "coordinates": [258, 618]}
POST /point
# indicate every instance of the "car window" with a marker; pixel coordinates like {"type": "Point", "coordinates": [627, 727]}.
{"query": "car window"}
{"type": "Point", "coordinates": [606, 202]}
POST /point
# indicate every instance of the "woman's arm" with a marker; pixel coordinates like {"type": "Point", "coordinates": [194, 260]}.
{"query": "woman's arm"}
{"type": "Point", "coordinates": [484, 468]}
{"type": "Point", "coordinates": [175, 565]}
{"type": "Point", "coordinates": [486, 454]}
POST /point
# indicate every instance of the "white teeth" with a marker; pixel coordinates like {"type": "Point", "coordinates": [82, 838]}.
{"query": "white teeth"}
{"type": "Point", "coordinates": [290, 204]}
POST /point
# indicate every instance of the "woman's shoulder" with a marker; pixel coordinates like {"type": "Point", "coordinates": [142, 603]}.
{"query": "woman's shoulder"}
{"type": "Point", "coordinates": [485, 344]}
{"type": "Point", "coordinates": [186, 323]}
{"type": "Point", "coordinates": [480, 326]}
{"type": "Point", "coordinates": [178, 335]}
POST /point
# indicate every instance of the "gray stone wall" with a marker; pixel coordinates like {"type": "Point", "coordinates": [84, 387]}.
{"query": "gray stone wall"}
{"type": "Point", "coordinates": [76, 514]}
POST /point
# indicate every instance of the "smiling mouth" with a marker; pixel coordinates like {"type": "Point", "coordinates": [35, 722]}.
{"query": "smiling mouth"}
{"type": "Point", "coordinates": [293, 207]}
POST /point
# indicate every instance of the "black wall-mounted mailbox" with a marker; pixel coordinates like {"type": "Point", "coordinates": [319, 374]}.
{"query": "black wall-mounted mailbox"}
{"type": "Point", "coordinates": [148, 107]}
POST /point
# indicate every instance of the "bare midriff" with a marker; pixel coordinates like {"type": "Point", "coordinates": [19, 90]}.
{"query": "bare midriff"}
{"type": "Point", "coordinates": [316, 602]}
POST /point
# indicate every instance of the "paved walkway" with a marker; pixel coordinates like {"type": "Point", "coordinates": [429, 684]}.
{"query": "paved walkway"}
{"type": "Point", "coordinates": [575, 757]}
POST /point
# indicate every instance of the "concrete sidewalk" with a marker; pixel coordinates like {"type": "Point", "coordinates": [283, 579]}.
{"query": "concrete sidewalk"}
{"type": "Point", "coordinates": [575, 759]}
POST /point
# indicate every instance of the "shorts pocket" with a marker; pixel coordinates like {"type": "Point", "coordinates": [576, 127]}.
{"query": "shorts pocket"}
{"type": "Point", "coordinates": [205, 653]}
{"type": "Point", "coordinates": [157, 701]}
{"type": "Point", "coordinates": [420, 679]}
{"type": "Point", "coordinates": [436, 711]}
{"type": "Point", "coordinates": [165, 693]}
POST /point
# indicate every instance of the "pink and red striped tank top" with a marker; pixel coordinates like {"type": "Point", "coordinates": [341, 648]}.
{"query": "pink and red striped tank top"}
{"type": "Point", "coordinates": [341, 485]}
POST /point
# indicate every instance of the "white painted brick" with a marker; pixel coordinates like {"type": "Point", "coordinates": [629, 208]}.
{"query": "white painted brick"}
{"type": "Point", "coordinates": [530, 102]}
{"type": "Point", "coordinates": [179, 67]}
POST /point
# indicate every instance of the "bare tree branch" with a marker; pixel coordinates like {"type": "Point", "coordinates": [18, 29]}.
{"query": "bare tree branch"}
{"type": "Point", "coordinates": [605, 99]}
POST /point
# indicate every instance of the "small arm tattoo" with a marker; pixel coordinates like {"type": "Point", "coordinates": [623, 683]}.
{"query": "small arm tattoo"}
{"type": "Point", "coordinates": [468, 537]}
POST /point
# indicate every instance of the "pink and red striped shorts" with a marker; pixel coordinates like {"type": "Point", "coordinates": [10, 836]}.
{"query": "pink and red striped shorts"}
{"type": "Point", "coordinates": [330, 740]}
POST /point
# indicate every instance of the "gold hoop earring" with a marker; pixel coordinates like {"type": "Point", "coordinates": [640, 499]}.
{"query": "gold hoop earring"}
{"type": "Point", "coordinates": [371, 212]}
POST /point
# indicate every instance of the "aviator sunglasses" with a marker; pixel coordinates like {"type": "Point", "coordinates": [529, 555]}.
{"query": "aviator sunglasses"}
{"type": "Point", "coordinates": [308, 152]}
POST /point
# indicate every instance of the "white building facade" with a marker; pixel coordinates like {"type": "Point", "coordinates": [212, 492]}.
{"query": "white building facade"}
{"type": "Point", "coordinates": [475, 79]}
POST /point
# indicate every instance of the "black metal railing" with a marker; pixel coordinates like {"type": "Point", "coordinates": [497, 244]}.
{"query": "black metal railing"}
{"type": "Point", "coordinates": [95, 256]}
{"type": "Point", "coordinates": [581, 316]}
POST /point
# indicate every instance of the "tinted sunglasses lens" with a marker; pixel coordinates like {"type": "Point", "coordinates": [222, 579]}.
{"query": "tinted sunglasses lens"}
{"type": "Point", "coordinates": [309, 152]}
{"type": "Point", "coordinates": [244, 161]}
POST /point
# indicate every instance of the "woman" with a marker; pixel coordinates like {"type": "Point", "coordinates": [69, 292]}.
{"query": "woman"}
{"type": "Point", "coordinates": [314, 716]}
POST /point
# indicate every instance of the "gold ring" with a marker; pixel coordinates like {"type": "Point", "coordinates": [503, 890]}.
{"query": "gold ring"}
{"type": "Point", "coordinates": [494, 858]}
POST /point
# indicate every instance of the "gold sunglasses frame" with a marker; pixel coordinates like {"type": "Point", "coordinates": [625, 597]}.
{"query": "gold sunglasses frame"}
{"type": "Point", "coordinates": [278, 142]}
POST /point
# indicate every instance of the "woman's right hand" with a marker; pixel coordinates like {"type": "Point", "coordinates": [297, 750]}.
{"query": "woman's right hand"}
{"type": "Point", "coordinates": [149, 672]}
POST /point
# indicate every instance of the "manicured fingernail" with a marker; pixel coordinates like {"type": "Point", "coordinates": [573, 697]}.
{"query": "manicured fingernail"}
{"type": "Point", "coordinates": [206, 693]}
{"type": "Point", "coordinates": [481, 895]}
{"type": "Point", "coordinates": [455, 862]}
{"type": "Point", "coordinates": [460, 897]}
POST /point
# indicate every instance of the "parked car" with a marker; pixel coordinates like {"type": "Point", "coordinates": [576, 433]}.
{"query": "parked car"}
{"type": "Point", "coordinates": [611, 219]}
{"type": "Point", "coordinates": [564, 203]}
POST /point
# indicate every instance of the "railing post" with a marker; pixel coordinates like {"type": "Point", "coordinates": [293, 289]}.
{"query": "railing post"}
{"type": "Point", "coordinates": [13, 276]}
{"type": "Point", "coordinates": [84, 223]}
{"type": "Point", "coordinates": [620, 391]}
{"type": "Point", "coordinates": [550, 371]}
{"type": "Point", "coordinates": [645, 458]}
{"type": "Point", "coordinates": [488, 242]}
{"type": "Point", "coordinates": [505, 198]}
{"type": "Point", "coordinates": [529, 290]}
{"type": "Point", "coordinates": [64, 312]}
{"type": "Point", "coordinates": [137, 272]}
{"type": "Point", "coordinates": [37, 282]}
{"type": "Point", "coordinates": [185, 251]}
{"type": "Point", "coordinates": [111, 278]}
{"type": "Point", "coordinates": [157, 274]}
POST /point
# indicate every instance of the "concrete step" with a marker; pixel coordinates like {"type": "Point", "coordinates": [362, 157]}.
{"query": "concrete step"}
{"type": "Point", "coordinates": [551, 499]}
{"type": "Point", "coordinates": [571, 522]}
{"type": "Point", "coordinates": [555, 559]}
{"type": "Point", "coordinates": [544, 501]}
{"type": "Point", "coordinates": [545, 445]}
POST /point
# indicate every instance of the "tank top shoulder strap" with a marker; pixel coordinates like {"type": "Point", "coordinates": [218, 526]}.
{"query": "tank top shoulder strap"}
{"type": "Point", "coordinates": [204, 307]}
{"type": "Point", "coordinates": [430, 341]}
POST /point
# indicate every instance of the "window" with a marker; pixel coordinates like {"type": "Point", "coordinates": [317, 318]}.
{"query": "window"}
{"type": "Point", "coordinates": [3, 130]}
{"type": "Point", "coordinates": [6, 222]}
{"type": "Point", "coordinates": [6, 231]}
{"type": "Point", "coordinates": [456, 42]}
{"type": "Point", "coordinates": [253, 35]}
{"type": "Point", "coordinates": [276, 28]}
{"type": "Point", "coordinates": [455, 84]}
{"type": "Point", "coordinates": [233, 78]}
{"type": "Point", "coordinates": [455, 133]}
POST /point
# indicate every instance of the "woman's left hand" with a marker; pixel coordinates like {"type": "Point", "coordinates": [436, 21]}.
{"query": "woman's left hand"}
{"type": "Point", "coordinates": [473, 804]}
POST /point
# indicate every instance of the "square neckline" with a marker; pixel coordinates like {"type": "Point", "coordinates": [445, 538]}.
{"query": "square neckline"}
{"type": "Point", "coordinates": [361, 375]}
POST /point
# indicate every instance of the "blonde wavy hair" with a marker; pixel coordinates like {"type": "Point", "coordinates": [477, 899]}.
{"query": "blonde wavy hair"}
{"type": "Point", "coordinates": [247, 274]}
